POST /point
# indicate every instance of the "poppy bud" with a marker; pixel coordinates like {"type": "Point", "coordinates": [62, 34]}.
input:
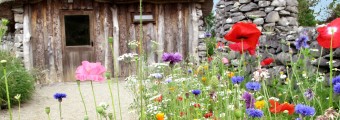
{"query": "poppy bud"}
{"type": "Point", "coordinates": [47, 110]}
{"type": "Point", "coordinates": [100, 109]}
{"type": "Point", "coordinates": [108, 75]}
{"type": "Point", "coordinates": [238, 113]}
{"type": "Point", "coordinates": [3, 62]}
{"type": "Point", "coordinates": [110, 116]}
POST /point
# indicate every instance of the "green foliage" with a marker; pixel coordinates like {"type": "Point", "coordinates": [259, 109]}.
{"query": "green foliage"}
{"type": "Point", "coordinates": [335, 12]}
{"type": "Point", "coordinates": [210, 24]}
{"type": "Point", "coordinates": [19, 80]}
{"type": "Point", "coordinates": [210, 44]}
{"type": "Point", "coordinates": [305, 15]}
{"type": "Point", "coordinates": [3, 28]}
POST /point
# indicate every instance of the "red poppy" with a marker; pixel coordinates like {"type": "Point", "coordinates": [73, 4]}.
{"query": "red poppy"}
{"type": "Point", "coordinates": [245, 35]}
{"type": "Point", "coordinates": [210, 59]}
{"type": "Point", "coordinates": [288, 107]}
{"type": "Point", "coordinates": [182, 114]}
{"type": "Point", "coordinates": [267, 61]}
{"type": "Point", "coordinates": [196, 105]}
{"type": "Point", "coordinates": [179, 98]}
{"type": "Point", "coordinates": [159, 99]}
{"type": "Point", "coordinates": [274, 106]}
{"type": "Point", "coordinates": [325, 34]}
{"type": "Point", "coordinates": [208, 115]}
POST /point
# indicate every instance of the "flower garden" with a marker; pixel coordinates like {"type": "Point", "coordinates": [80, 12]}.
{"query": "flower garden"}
{"type": "Point", "coordinates": [216, 89]}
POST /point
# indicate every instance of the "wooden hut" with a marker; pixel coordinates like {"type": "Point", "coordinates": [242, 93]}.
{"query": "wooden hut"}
{"type": "Point", "coordinates": [56, 35]}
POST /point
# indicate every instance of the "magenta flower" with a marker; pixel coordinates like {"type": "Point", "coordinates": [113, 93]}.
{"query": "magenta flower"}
{"type": "Point", "coordinates": [172, 57]}
{"type": "Point", "coordinates": [90, 71]}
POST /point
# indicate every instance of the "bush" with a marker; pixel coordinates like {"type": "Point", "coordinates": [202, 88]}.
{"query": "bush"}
{"type": "Point", "coordinates": [20, 81]}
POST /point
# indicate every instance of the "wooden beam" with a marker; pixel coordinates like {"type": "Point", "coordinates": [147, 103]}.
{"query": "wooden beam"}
{"type": "Point", "coordinates": [193, 38]}
{"type": "Point", "coordinates": [180, 29]}
{"type": "Point", "coordinates": [115, 26]}
{"type": "Point", "coordinates": [160, 32]}
{"type": "Point", "coordinates": [27, 48]}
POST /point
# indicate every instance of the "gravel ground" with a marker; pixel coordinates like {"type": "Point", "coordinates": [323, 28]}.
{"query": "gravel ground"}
{"type": "Point", "coordinates": [72, 107]}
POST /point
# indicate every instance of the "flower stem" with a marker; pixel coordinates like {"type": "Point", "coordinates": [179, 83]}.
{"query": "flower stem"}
{"type": "Point", "coordinates": [94, 98]}
{"type": "Point", "coordinates": [60, 110]}
{"type": "Point", "coordinates": [331, 72]}
{"type": "Point", "coordinates": [120, 109]}
{"type": "Point", "coordinates": [81, 95]}
{"type": "Point", "coordinates": [19, 108]}
{"type": "Point", "coordinates": [49, 117]}
{"type": "Point", "coordinates": [7, 93]}
{"type": "Point", "coordinates": [112, 100]}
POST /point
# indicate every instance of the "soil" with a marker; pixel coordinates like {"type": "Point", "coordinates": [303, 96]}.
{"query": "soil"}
{"type": "Point", "coordinates": [72, 107]}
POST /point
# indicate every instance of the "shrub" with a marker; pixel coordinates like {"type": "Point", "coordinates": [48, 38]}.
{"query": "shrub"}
{"type": "Point", "coordinates": [20, 81]}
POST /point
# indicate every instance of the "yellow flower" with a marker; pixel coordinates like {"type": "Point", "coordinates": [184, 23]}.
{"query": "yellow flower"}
{"type": "Point", "coordinates": [160, 116]}
{"type": "Point", "coordinates": [206, 67]}
{"type": "Point", "coordinates": [204, 79]}
{"type": "Point", "coordinates": [230, 74]}
{"type": "Point", "coordinates": [259, 104]}
{"type": "Point", "coordinates": [171, 89]}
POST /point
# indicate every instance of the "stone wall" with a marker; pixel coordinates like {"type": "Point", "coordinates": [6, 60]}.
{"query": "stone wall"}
{"type": "Point", "coordinates": [13, 41]}
{"type": "Point", "coordinates": [201, 31]}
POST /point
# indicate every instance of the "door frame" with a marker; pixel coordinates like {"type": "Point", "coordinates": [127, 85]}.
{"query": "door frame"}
{"type": "Point", "coordinates": [90, 13]}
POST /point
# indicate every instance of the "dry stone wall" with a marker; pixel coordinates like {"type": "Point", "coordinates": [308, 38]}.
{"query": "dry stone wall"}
{"type": "Point", "coordinates": [13, 42]}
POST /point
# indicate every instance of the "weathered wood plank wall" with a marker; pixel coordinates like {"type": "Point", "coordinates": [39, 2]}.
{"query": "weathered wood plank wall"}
{"type": "Point", "coordinates": [171, 30]}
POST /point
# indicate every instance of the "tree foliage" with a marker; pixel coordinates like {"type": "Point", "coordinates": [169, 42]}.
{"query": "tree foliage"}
{"type": "Point", "coordinates": [306, 14]}
{"type": "Point", "coordinates": [335, 11]}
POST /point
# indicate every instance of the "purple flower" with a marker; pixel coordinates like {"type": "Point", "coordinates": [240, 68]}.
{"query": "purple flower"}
{"type": "Point", "coordinates": [301, 42]}
{"type": "Point", "coordinates": [255, 113]}
{"type": "Point", "coordinates": [337, 88]}
{"type": "Point", "coordinates": [59, 96]}
{"type": "Point", "coordinates": [189, 71]}
{"type": "Point", "coordinates": [249, 99]}
{"type": "Point", "coordinates": [336, 80]}
{"type": "Point", "coordinates": [237, 79]}
{"type": "Point", "coordinates": [208, 34]}
{"type": "Point", "coordinates": [157, 75]}
{"type": "Point", "coordinates": [309, 94]}
{"type": "Point", "coordinates": [168, 80]}
{"type": "Point", "coordinates": [304, 110]}
{"type": "Point", "coordinates": [172, 57]}
{"type": "Point", "coordinates": [196, 92]}
{"type": "Point", "coordinates": [254, 86]}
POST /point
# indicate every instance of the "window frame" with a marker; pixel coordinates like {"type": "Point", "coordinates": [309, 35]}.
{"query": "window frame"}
{"type": "Point", "coordinates": [64, 13]}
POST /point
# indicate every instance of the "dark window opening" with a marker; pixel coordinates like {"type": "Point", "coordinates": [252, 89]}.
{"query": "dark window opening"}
{"type": "Point", "coordinates": [77, 30]}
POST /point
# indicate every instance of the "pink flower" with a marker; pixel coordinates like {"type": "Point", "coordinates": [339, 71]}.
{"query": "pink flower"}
{"type": "Point", "coordinates": [90, 71]}
{"type": "Point", "coordinates": [225, 60]}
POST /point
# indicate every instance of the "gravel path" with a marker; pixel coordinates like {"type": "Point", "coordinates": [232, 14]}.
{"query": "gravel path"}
{"type": "Point", "coordinates": [72, 107]}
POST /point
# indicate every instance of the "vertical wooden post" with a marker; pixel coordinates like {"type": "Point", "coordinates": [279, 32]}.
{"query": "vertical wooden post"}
{"type": "Point", "coordinates": [160, 32]}
{"type": "Point", "coordinates": [193, 38]}
{"type": "Point", "coordinates": [106, 37]}
{"type": "Point", "coordinates": [180, 29]}
{"type": "Point", "coordinates": [27, 48]}
{"type": "Point", "coordinates": [115, 35]}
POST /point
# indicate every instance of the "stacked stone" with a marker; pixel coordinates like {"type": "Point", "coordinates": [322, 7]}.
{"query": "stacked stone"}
{"type": "Point", "coordinates": [18, 37]}
{"type": "Point", "coordinates": [202, 53]}
{"type": "Point", "coordinates": [271, 16]}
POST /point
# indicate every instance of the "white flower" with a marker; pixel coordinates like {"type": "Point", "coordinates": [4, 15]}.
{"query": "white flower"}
{"type": "Point", "coordinates": [259, 98]}
{"type": "Point", "coordinates": [231, 107]}
{"type": "Point", "coordinates": [274, 98]}
{"type": "Point", "coordinates": [314, 50]}
{"type": "Point", "coordinates": [321, 78]}
{"type": "Point", "coordinates": [260, 74]}
{"type": "Point", "coordinates": [332, 30]}
{"type": "Point", "coordinates": [283, 76]}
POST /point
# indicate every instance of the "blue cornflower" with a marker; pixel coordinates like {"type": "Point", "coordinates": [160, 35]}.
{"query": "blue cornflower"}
{"type": "Point", "coordinates": [237, 79]}
{"type": "Point", "coordinates": [59, 96]}
{"type": "Point", "coordinates": [189, 71]}
{"type": "Point", "coordinates": [168, 80]}
{"type": "Point", "coordinates": [337, 88]}
{"type": "Point", "coordinates": [254, 86]}
{"type": "Point", "coordinates": [309, 94]}
{"type": "Point", "coordinates": [254, 113]}
{"type": "Point", "coordinates": [301, 42]}
{"type": "Point", "coordinates": [196, 92]}
{"type": "Point", "coordinates": [157, 75]}
{"type": "Point", "coordinates": [208, 35]}
{"type": "Point", "coordinates": [336, 80]}
{"type": "Point", "coordinates": [304, 110]}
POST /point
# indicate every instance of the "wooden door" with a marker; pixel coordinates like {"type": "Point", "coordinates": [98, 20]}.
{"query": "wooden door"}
{"type": "Point", "coordinates": [77, 41]}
